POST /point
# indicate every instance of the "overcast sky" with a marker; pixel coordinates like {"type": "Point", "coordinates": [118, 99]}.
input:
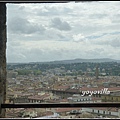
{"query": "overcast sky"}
{"type": "Point", "coordinates": [62, 31]}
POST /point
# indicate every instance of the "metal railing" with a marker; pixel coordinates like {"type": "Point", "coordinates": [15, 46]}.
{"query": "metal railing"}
{"type": "Point", "coordinates": [58, 105]}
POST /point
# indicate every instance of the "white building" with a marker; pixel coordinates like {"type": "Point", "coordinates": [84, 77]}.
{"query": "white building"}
{"type": "Point", "coordinates": [79, 98]}
{"type": "Point", "coordinates": [103, 111]}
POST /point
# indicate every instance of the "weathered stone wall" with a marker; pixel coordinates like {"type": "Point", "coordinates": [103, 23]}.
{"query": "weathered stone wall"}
{"type": "Point", "coordinates": [2, 56]}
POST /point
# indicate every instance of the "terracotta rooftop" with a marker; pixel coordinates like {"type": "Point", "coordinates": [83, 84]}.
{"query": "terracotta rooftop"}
{"type": "Point", "coordinates": [62, 87]}
{"type": "Point", "coordinates": [65, 109]}
{"type": "Point", "coordinates": [94, 89]}
{"type": "Point", "coordinates": [64, 101]}
{"type": "Point", "coordinates": [104, 108]}
{"type": "Point", "coordinates": [58, 101]}
{"type": "Point", "coordinates": [39, 97]}
{"type": "Point", "coordinates": [99, 88]}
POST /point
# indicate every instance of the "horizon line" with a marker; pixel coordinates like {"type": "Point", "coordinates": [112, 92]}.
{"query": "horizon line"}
{"type": "Point", "coordinates": [62, 60]}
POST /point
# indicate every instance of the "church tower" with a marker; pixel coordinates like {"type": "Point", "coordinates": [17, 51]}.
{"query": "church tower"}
{"type": "Point", "coordinates": [97, 72]}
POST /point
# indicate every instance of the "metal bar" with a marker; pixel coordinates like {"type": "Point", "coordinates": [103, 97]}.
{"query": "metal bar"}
{"type": "Point", "coordinates": [32, 1]}
{"type": "Point", "coordinates": [61, 105]}
{"type": "Point", "coordinates": [41, 1]}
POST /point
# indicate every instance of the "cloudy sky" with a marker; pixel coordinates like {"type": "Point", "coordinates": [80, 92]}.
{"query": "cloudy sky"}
{"type": "Point", "coordinates": [62, 31]}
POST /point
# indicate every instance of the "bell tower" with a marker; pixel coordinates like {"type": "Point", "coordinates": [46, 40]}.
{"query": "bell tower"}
{"type": "Point", "coordinates": [97, 72]}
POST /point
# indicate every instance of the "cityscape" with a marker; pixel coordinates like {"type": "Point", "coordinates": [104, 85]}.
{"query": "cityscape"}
{"type": "Point", "coordinates": [52, 82]}
{"type": "Point", "coordinates": [62, 53]}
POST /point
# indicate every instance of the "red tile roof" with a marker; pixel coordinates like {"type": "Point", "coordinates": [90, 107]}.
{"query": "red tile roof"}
{"type": "Point", "coordinates": [91, 88]}
{"type": "Point", "coordinates": [64, 101]}
{"type": "Point", "coordinates": [105, 109]}
{"type": "Point", "coordinates": [39, 97]}
{"type": "Point", "coordinates": [94, 89]}
{"type": "Point", "coordinates": [62, 87]}
{"type": "Point", "coordinates": [58, 110]}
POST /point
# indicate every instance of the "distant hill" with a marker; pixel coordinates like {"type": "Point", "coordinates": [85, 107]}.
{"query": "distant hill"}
{"type": "Point", "coordinates": [72, 61]}
{"type": "Point", "coordinates": [79, 61]}
{"type": "Point", "coordinates": [84, 60]}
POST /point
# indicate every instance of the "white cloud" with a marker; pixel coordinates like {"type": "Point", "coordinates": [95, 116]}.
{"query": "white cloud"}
{"type": "Point", "coordinates": [78, 38]}
{"type": "Point", "coordinates": [60, 24]}
{"type": "Point", "coordinates": [43, 32]}
{"type": "Point", "coordinates": [19, 25]}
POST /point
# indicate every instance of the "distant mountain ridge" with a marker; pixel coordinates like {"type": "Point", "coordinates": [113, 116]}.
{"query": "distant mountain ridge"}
{"type": "Point", "coordinates": [85, 60]}
{"type": "Point", "coordinates": [73, 61]}
{"type": "Point", "coordinates": [80, 61]}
